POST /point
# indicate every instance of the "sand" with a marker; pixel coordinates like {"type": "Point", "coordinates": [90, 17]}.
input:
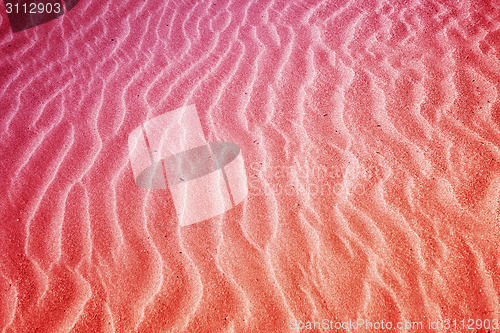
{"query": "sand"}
{"type": "Point", "coordinates": [370, 132]}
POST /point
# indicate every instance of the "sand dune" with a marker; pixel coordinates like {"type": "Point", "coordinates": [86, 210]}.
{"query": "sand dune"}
{"type": "Point", "coordinates": [370, 132]}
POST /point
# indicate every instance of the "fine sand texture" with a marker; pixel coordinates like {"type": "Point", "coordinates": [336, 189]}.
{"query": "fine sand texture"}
{"type": "Point", "coordinates": [368, 135]}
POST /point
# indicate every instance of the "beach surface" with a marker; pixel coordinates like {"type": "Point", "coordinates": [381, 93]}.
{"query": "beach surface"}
{"type": "Point", "coordinates": [370, 135]}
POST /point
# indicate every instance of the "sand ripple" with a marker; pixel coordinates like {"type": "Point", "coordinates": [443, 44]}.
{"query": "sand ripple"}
{"type": "Point", "coordinates": [371, 136]}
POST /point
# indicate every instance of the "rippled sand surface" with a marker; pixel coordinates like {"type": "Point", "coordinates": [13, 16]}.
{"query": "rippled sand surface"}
{"type": "Point", "coordinates": [370, 132]}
